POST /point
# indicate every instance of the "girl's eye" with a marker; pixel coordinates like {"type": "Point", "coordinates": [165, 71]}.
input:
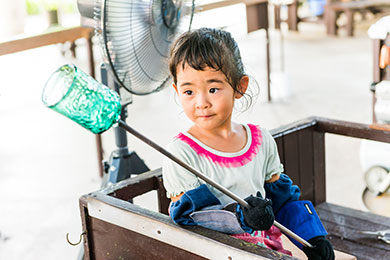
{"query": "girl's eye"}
{"type": "Point", "coordinates": [188, 92]}
{"type": "Point", "coordinates": [213, 90]}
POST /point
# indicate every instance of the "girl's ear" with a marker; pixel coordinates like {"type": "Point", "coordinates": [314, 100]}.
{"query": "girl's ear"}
{"type": "Point", "coordinates": [244, 82]}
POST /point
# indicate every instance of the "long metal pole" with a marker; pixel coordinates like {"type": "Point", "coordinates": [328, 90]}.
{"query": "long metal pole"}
{"type": "Point", "coordinates": [205, 178]}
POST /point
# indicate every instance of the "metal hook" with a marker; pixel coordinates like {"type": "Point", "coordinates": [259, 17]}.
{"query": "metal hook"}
{"type": "Point", "coordinates": [75, 244]}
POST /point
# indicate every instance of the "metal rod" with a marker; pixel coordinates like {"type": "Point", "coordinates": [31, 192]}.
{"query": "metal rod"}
{"type": "Point", "coordinates": [205, 178]}
{"type": "Point", "coordinates": [292, 234]}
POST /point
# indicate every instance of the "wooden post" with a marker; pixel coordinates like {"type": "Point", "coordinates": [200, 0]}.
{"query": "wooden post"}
{"type": "Point", "coordinates": [277, 19]}
{"type": "Point", "coordinates": [349, 13]}
{"type": "Point", "coordinates": [292, 19]}
{"type": "Point", "coordinates": [330, 20]}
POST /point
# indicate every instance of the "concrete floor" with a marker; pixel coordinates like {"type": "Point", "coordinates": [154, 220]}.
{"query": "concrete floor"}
{"type": "Point", "coordinates": [47, 162]}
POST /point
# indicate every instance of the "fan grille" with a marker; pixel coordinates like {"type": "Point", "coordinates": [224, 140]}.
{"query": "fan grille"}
{"type": "Point", "coordinates": [136, 40]}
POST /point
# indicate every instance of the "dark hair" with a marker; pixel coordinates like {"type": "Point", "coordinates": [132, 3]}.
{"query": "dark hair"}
{"type": "Point", "coordinates": [208, 47]}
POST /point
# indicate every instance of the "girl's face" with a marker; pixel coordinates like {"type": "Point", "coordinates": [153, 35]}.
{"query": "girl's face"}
{"type": "Point", "coordinates": [206, 97]}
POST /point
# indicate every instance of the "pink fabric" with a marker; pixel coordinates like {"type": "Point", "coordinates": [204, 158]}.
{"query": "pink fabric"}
{"type": "Point", "coordinates": [232, 162]}
{"type": "Point", "coordinates": [270, 239]}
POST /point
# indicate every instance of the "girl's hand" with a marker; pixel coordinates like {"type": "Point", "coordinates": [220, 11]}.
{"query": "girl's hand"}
{"type": "Point", "coordinates": [261, 215]}
{"type": "Point", "coordinates": [322, 249]}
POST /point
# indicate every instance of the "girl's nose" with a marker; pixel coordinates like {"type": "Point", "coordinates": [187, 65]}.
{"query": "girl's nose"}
{"type": "Point", "coordinates": [202, 102]}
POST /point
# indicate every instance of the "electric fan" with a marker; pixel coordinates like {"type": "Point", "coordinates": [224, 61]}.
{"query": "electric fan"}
{"type": "Point", "coordinates": [135, 37]}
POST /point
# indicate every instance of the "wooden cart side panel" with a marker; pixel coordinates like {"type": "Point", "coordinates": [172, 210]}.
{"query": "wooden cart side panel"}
{"type": "Point", "coordinates": [136, 189]}
{"type": "Point", "coordinates": [319, 169]}
{"type": "Point", "coordinates": [302, 153]}
{"type": "Point", "coordinates": [87, 232]}
{"type": "Point", "coordinates": [114, 242]}
{"type": "Point", "coordinates": [279, 144]}
{"type": "Point", "coordinates": [291, 157]}
{"type": "Point", "coordinates": [306, 164]}
{"type": "Point", "coordinates": [163, 201]}
{"type": "Point", "coordinates": [156, 226]}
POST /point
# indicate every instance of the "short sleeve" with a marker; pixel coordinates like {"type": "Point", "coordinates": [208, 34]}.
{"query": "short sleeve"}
{"type": "Point", "coordinates": [273, 165]}
{"type": "Point", "coordinates": [176, 178]}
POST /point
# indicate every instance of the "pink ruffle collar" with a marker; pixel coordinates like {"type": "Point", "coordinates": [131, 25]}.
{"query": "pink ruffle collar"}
{"type": "Point", "coordinates": [255, 138]}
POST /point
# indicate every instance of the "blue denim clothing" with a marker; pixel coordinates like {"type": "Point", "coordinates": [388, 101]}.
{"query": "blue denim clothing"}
{"type": "Point", "coordinates": [301, 218]}
{"type": "Point", "coordinates": [281, 192]}
{"type": "Point", "coordinates": [200, 207]}
{"type": "Point", "coordinates": [298, 216]}
{"type": "Point", "coordinates": [217, 219]}
{"type": "Point", "coordinates": [191, 201]}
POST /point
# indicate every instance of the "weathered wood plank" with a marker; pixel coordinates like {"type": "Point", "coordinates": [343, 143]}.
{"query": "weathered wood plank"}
{"type": "Point", "coordinates": [361, 253]}
{"type": "Point", "coordinates": [225, 3]}
{"type": "Point", "coordinates": [133, 187]}
{"type": "Point", "coordinates": [229, 240]}
{"type": "Point", "coordinates": [343, 225]}
{"type": "Point", "coordinates": [279, 144]}
{"type": "Point", "coordinates": [160, 227]}
{"type": "Point", "coordinates": [356, 5]}
{"type": "Point", "coordinates": [163, 201]}
{"type": "Point", "coordinates": [85, 227]}
{"type": "Point", "coordinates": [306, 165]}
{"type": "Point", "coordinates": [319, 168]}
{"type": "Point", "coordinates": [357, 213]}
{"type": "Point", "coordinates": [291, 157]}
{"type": "Point", "coordinates": [352, 129]}
{"type": "Point", "coordinates": [114, 242]}
{"type": "Point", "coordinates": [60, 36]}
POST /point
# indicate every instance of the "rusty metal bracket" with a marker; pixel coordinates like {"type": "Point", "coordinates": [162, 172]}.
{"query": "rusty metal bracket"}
{"type": "Point", "coordinates": [78, 242]}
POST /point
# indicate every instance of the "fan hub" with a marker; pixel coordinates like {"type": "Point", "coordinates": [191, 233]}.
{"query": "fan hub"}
{"type": "Point", "coordinates": [170, 12]}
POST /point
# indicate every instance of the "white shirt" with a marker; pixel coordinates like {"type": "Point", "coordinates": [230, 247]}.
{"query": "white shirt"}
{"type": "Point", "coordinates": [243, 172]}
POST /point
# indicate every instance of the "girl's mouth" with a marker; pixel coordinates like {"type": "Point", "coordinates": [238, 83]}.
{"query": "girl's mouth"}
{"type": "Point", "coordinates": [205, 116]}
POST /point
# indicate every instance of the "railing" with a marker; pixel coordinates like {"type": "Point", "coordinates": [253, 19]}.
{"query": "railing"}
{"type": "Point", "coordinates": [54, 37]}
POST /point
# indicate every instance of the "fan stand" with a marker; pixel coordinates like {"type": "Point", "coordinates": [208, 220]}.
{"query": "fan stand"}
{"type": "Point", "coordinates": [123, 163]}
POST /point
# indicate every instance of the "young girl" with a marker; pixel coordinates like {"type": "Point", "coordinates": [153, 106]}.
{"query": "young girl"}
{"type": "Point", "coordinates": [208, 77]}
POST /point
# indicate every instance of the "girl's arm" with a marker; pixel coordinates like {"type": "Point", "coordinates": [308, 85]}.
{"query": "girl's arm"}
{"type": "Point", "coordinates": [190, 201]}
{"type": "Point", "coordinates": [297, 215]}
{"type": "Point", "coordinates": [274, 178]}
{"type": "Point", "coordinates": [200, 207]}
{"type": "Point", "coordinates": [176, 198]}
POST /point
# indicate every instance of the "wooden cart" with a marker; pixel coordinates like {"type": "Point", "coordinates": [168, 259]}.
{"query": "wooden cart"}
{"type": "Point", "coordinates": [117, 229]}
